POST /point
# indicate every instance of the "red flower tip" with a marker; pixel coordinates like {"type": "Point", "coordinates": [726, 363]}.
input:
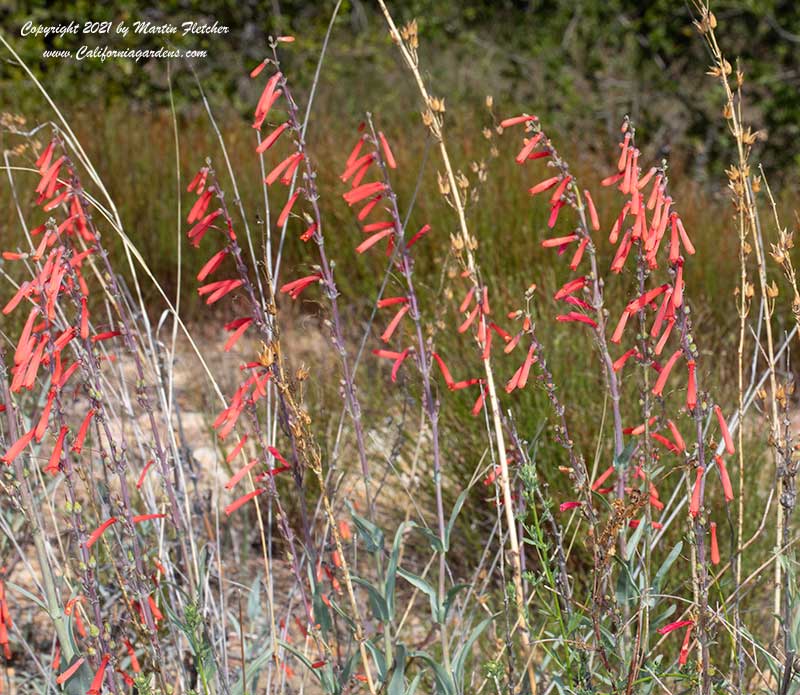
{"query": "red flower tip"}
{"type": "Point", "coordinates": [566, 506]}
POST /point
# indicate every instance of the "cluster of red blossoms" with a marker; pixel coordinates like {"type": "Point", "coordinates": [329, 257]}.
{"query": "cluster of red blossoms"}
{"type": "Point", "coordinates": [57, 291]}
{"type": "Point", "coordinates": [649, 223]}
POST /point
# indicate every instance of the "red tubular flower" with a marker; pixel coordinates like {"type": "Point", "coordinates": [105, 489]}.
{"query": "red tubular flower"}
{"type": "Point", "coordinates": [422, 232]}
{"type": "Point", "coordinates": [554, 211]}
{"type": "Point", "coordinates": [267, 99]}
{"type": "Point", "coordinates": [566, 506]}
{"type": "Point", "coordinates": [691, 389]}
{"type": "Point", "coordinates": [363, 191]}
{"type": "Point", "coordinates": [687, 244]}
{"type": "Point", "coordinates": [43, 161]}
{"type": "Point", "coordinates": [639, 429]}
{"type": "Point", "coordinates": [147, 517]}
{"type": "Point", "coordinates": [570, 287]}
{"type": "Point", "coordinates": [622, 253]}
{"type": "Point", "coordinates": [723, 426]}
{"type": "Point", "coordinates": [391, 301]}
{"type": "Point", "coordinates": [398, 363]}
{"type": "Point", "coordinates": [479, 401]}
{"type": "Point", "coordinates": [677, 625]}
{"type": "Point", "coordinates": [528, 148]}
{"type": "Point", "coordinates": [623, 157]}
{"type": "Point", "coordinates": [355, 152]}
{"type": "Point", "coordinates": [295, 287]}
{"type": "Point", "coordinates": [714, 544]}
{"type": "Point", "coordinates": [235, 451]}
{"type": "Point", "coordinates": [676, 435]}
{"type": "Point", "coordinates": [576, 316]}
{"type": "Point", "coordinates": [443, 368]}
{"type": "Point", "coordinates": [241, 473]}
{"type": "Point", "coordinates": [517, 120]}
{"type": "Point", "coordinates": [212, 264]}
{"type": "Point", "coordinates": [677, 294]}
{"type": "Point", "coordinates": [198, 182]}
{"type": "Point", "coordinates": [55, 457]}
{"type": "Point", "coordinates": [97, 682]}
{"type": "Point", "coordinates": [555, 242]}
{"type": "Point", "coordinates": [377, 226]}
{"type": "Point", "coordinates": [666, 442]}
{"type": "Point", "coordinates": [272, 138]}
{"type": "Point", "coordinates": [543, 185]}
{"type": "Point", "coordinates": [727, 488]}
{"type": "Point", "coordinates": [238, 332]}
{"type": "Point", "coordinates": [616, 337]}
{"type": "Point", "coordinates": [387, 151]}
{"type": "Point", "coordinates": [470, 319]}
{"type": "Point", "coordinates": [256, 71]}
{"type": "Point", "coordinates": [142, 475]}
{"type": "Point", "coordinates": [593, 218]}
{"type": "Point", "coordinates": [620, 361]}
{"type": "Point", "coordinates": [684, 655]}
{"type": "Point", "coordinates": [602, 478]}
{"type": "Point", "coordinates": [200, 206]}
{"type": "Point", "coordinates": [658, 389]}
{"type": "Point", "coordinates": [44, 418]}
{"type": "Point", "coordinates": [394, 323]}
{"type": "Point", "coordinates": [576, 259]}
{"type": "Point", "coordinates": [99, 531]}
{"type": "Point", "coordinates": [520, 378]}
{"type": "Point", "coordinates": [287, 209]}
{"type": "Point", "coordinates": [357, 165]}
{"type": "Point", "coordinates": [611, 180]}
{"type": "Point", "coordinates": [68, 673]}
{"type": "Point", "coordinates": [77, 445]}
{"type": "Point", "coordinates": [279, 168]}
{"type": "Point", "coordinates": [372, 240]}
{"type": "Point", "coordinates": [107, 335]}
{"type": "Point", "coordinates": [17, 447]}
{"type": "Point", "coordinates": [648, 297]}
{"type": "Point", "coordinates": [562, 186]}
{"type": "Point", "coordinates": [217, 290]}
{"type": "Point", "coordinates": [244, 499]}
{"type": "Point", "coordinates": [197, 232]}
{"type": "Point", "coordinates": [694, 504]}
